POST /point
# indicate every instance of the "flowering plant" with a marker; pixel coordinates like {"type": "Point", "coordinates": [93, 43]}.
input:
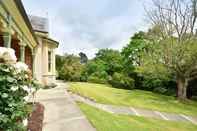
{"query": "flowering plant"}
{"type": "Point", "coordinates": [16, 84]}
{"type": "Point", "coordinates": [7, 55]}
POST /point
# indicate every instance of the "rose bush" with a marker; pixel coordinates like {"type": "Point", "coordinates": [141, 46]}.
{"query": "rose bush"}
{"type": "Point", "coordinates": [16, 84]}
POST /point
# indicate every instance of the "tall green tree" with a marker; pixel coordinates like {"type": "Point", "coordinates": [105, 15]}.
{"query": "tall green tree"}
{"type": "Point", "coordinates": [174, 40]}
{"type": "Point", "coordinates": [71, 69]}
{"type": "Point", "coordinates": [60, 60]}
{"type": "Point", "coordinates": [83, 57]}
{"type": "Point", "coordinates": [111, 58]}
{"type": "Point", "coordinates": [132, 52]}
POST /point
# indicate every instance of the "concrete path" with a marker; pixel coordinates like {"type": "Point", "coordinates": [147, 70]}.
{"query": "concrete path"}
{"type": "Point", "coordinates": [61, 112]}
{"type": "Point", "coordinates": [137, 111]}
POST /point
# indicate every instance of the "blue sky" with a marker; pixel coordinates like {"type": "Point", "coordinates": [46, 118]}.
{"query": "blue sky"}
{"type": "Point", "coordinates": [89, 25]}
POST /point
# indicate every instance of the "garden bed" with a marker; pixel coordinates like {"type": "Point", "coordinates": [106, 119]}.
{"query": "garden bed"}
{"type": "Point", "coordinates": [35, 120]}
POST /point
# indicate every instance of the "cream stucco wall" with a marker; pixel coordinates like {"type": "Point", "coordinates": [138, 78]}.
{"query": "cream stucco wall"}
{"type": "Point", "coordinates": [38, 61]}
{"type": "Point", "coordinates": [42, 72]}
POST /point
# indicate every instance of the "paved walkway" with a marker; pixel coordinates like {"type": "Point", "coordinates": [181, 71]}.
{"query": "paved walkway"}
{"type": "Point", "coordinates": [61, 112]}
{"type": "Point", "coordinates": [136, 111]}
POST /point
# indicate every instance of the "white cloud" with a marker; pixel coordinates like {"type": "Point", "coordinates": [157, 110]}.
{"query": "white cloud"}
{"type": "Point", "coordinates": [90, 25]}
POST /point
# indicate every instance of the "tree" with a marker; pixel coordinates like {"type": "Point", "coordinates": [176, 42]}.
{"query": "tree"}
{"type": "Point", "coordinates": [83, 57]}
{"type": "Point", "coordinates": [71, 69]}
{"type": "Point", "coordinates": [112, 59]}
{"type": "Point", "coordinates": [174, 40]}
{"type": "Point", "coordinates": [132, 52]}
{"type": "Point", "coordinates": [60, 60]}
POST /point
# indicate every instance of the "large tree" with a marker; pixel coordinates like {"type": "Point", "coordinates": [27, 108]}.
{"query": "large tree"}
{"type": "Point", "coordinates": [83, 57]}
{"type": "Point", "coordinates": [111, 58]}
{"type": "Point", "coordinates": [132, 52]}
{"type": "Point", "coordinates": [174, 39]}
{"type": "Point", "coordinates": [71, 68]}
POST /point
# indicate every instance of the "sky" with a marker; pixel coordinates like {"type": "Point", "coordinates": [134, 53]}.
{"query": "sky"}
{"type": "Point", "coordinates": [89, 25]}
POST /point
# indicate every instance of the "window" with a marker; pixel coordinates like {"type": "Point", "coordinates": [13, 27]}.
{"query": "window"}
{"type": "Point", "coordinates": [49, 61]}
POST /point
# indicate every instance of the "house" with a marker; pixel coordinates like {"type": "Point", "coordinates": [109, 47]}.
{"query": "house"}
{"type": "Point", "coordinates": [29, 37]}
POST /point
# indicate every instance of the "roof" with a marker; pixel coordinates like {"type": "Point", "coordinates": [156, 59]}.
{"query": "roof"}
{"type": "Point", "coordinates": [51, 40]}
{"type": "Point", "coordinates": [33, 27]}
{"type": "Point", "coordinates": [39, 23]}
{"type": "Point", "coordinates": [21, 8]}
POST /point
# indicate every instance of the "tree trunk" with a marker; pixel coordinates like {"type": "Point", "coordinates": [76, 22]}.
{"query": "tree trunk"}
{"type": "Point", "coordinates": [182, 87]}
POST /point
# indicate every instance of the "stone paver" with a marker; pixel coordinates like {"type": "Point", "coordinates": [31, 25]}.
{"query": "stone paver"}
{"type": "Point", "coordinates": [174, 117]}
{"type": "Point", "coordinates": [137, 111]}
{"type": "Point", "coordinates": [120, 110]}
{"type": "Point", "coordinates": [148, 113]}
{"type": "Point", "coordinates": [61, 112]}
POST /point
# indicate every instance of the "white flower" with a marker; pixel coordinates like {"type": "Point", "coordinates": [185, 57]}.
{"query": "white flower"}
{"type": "Point", "coordinates": [8, 55]}
{"type": "Point", "coordinates": [26, 88]}
{"type": "Point", "coordinates": [33, 89]}
{"type": "Point", "coordinates": [20, 66]}
{"type": "Point", "coordinates": [4, 95]}
{"type": "Point", "coordinates": [14, 88]}
{"type": "Point", "coordinates": [26, 98]}
{"type": "Point", "coordinates": [26, 76]}
{"type": "Point", "coordinates": [25, 122]}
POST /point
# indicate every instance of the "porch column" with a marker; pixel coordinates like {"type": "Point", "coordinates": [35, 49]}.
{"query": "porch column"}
{"type": "Point", "coordinates": [33, 63]}
{"type": "Point", "coordinates": [22, 53]}
{"type": "Point", "coordinates": [53, 62]}
{"type": "Point", "coordinates": [7, 35]}
{"type": "Point", "coordinates": [7, 39]}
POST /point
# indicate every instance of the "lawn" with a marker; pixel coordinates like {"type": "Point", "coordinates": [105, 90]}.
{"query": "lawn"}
{"type": "Point", "coordinates": [136, 98]}
{"type": "Point", "coordinates": [104, 121]}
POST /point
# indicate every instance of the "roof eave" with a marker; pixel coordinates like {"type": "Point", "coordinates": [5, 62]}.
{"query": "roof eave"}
{"type": "Point", "coordinates": [21, 8]}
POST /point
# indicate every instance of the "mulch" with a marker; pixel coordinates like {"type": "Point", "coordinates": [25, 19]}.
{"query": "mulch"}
{"type": "Point", "coordinates": [35, 120]}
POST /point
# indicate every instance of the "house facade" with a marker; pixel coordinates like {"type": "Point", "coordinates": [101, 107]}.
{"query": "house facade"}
{"type": "Point", "coordinates": [29, 38]}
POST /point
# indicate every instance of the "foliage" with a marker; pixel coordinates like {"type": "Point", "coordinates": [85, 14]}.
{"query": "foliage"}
{"type": "Point", "coordinates": [59, 62]}
{"type": "Point", "coordinates": [112, 60]}
{"type": "Point", "coordinates": [71, 68]}
{"type": "Point", "coordinates": [148, 76]}
{"type": "Point", "coordinates": [98, 77]}
{"type": "Point", "coordinates": [120, 80]}
{"type": "Point", "coordinates": [174, 39]}
{"type": "Point", "coordinates": [83, 58]}
{"type": "Point", "coordinates": [15, 86]}
{"type": "Point", "coordinates": [107, 67]}
{"type": "Point", "coordinates": [156, 78]}
{"type": "Point", "coordinates": [132, 52]}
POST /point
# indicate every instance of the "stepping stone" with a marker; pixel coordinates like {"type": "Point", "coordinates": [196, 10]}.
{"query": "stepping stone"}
{"type": "Point", "coordinates": [147, 113]}
{"type": "Point", "coordinates": [120, 110]}
{"type": "Point", "coordinates": [174, 117]}
{"type": "Point", "coordinates": [194, 119]}
{"type": "Point", "coordinates": [190, 119]}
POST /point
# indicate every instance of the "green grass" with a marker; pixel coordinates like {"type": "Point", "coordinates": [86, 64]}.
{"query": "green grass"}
{"type": "Point", "coordinates": [104, 121]}
{"type": "Point", "coordinates": [136, 98]}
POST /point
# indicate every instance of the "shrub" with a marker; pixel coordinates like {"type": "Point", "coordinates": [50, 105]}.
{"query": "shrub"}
{"type": "Point", "coordinates": [94, 79]}
{"type": "Point", "coordinates": [71, 69]}
{"type": "Point", "coordinates": [160, 90]}
{"type": "Point", "coordinates": [120, 80]}
{"type": "Point", "coordinates": [157, 79]}
{"type": "Point", "coordinates": [15, 85]}
{"type": "Point", "coordinates": [99, 77]}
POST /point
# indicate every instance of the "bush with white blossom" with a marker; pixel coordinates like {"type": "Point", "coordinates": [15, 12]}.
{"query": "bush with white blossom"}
{"type": "Point", "coordinates": [16, 84]}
